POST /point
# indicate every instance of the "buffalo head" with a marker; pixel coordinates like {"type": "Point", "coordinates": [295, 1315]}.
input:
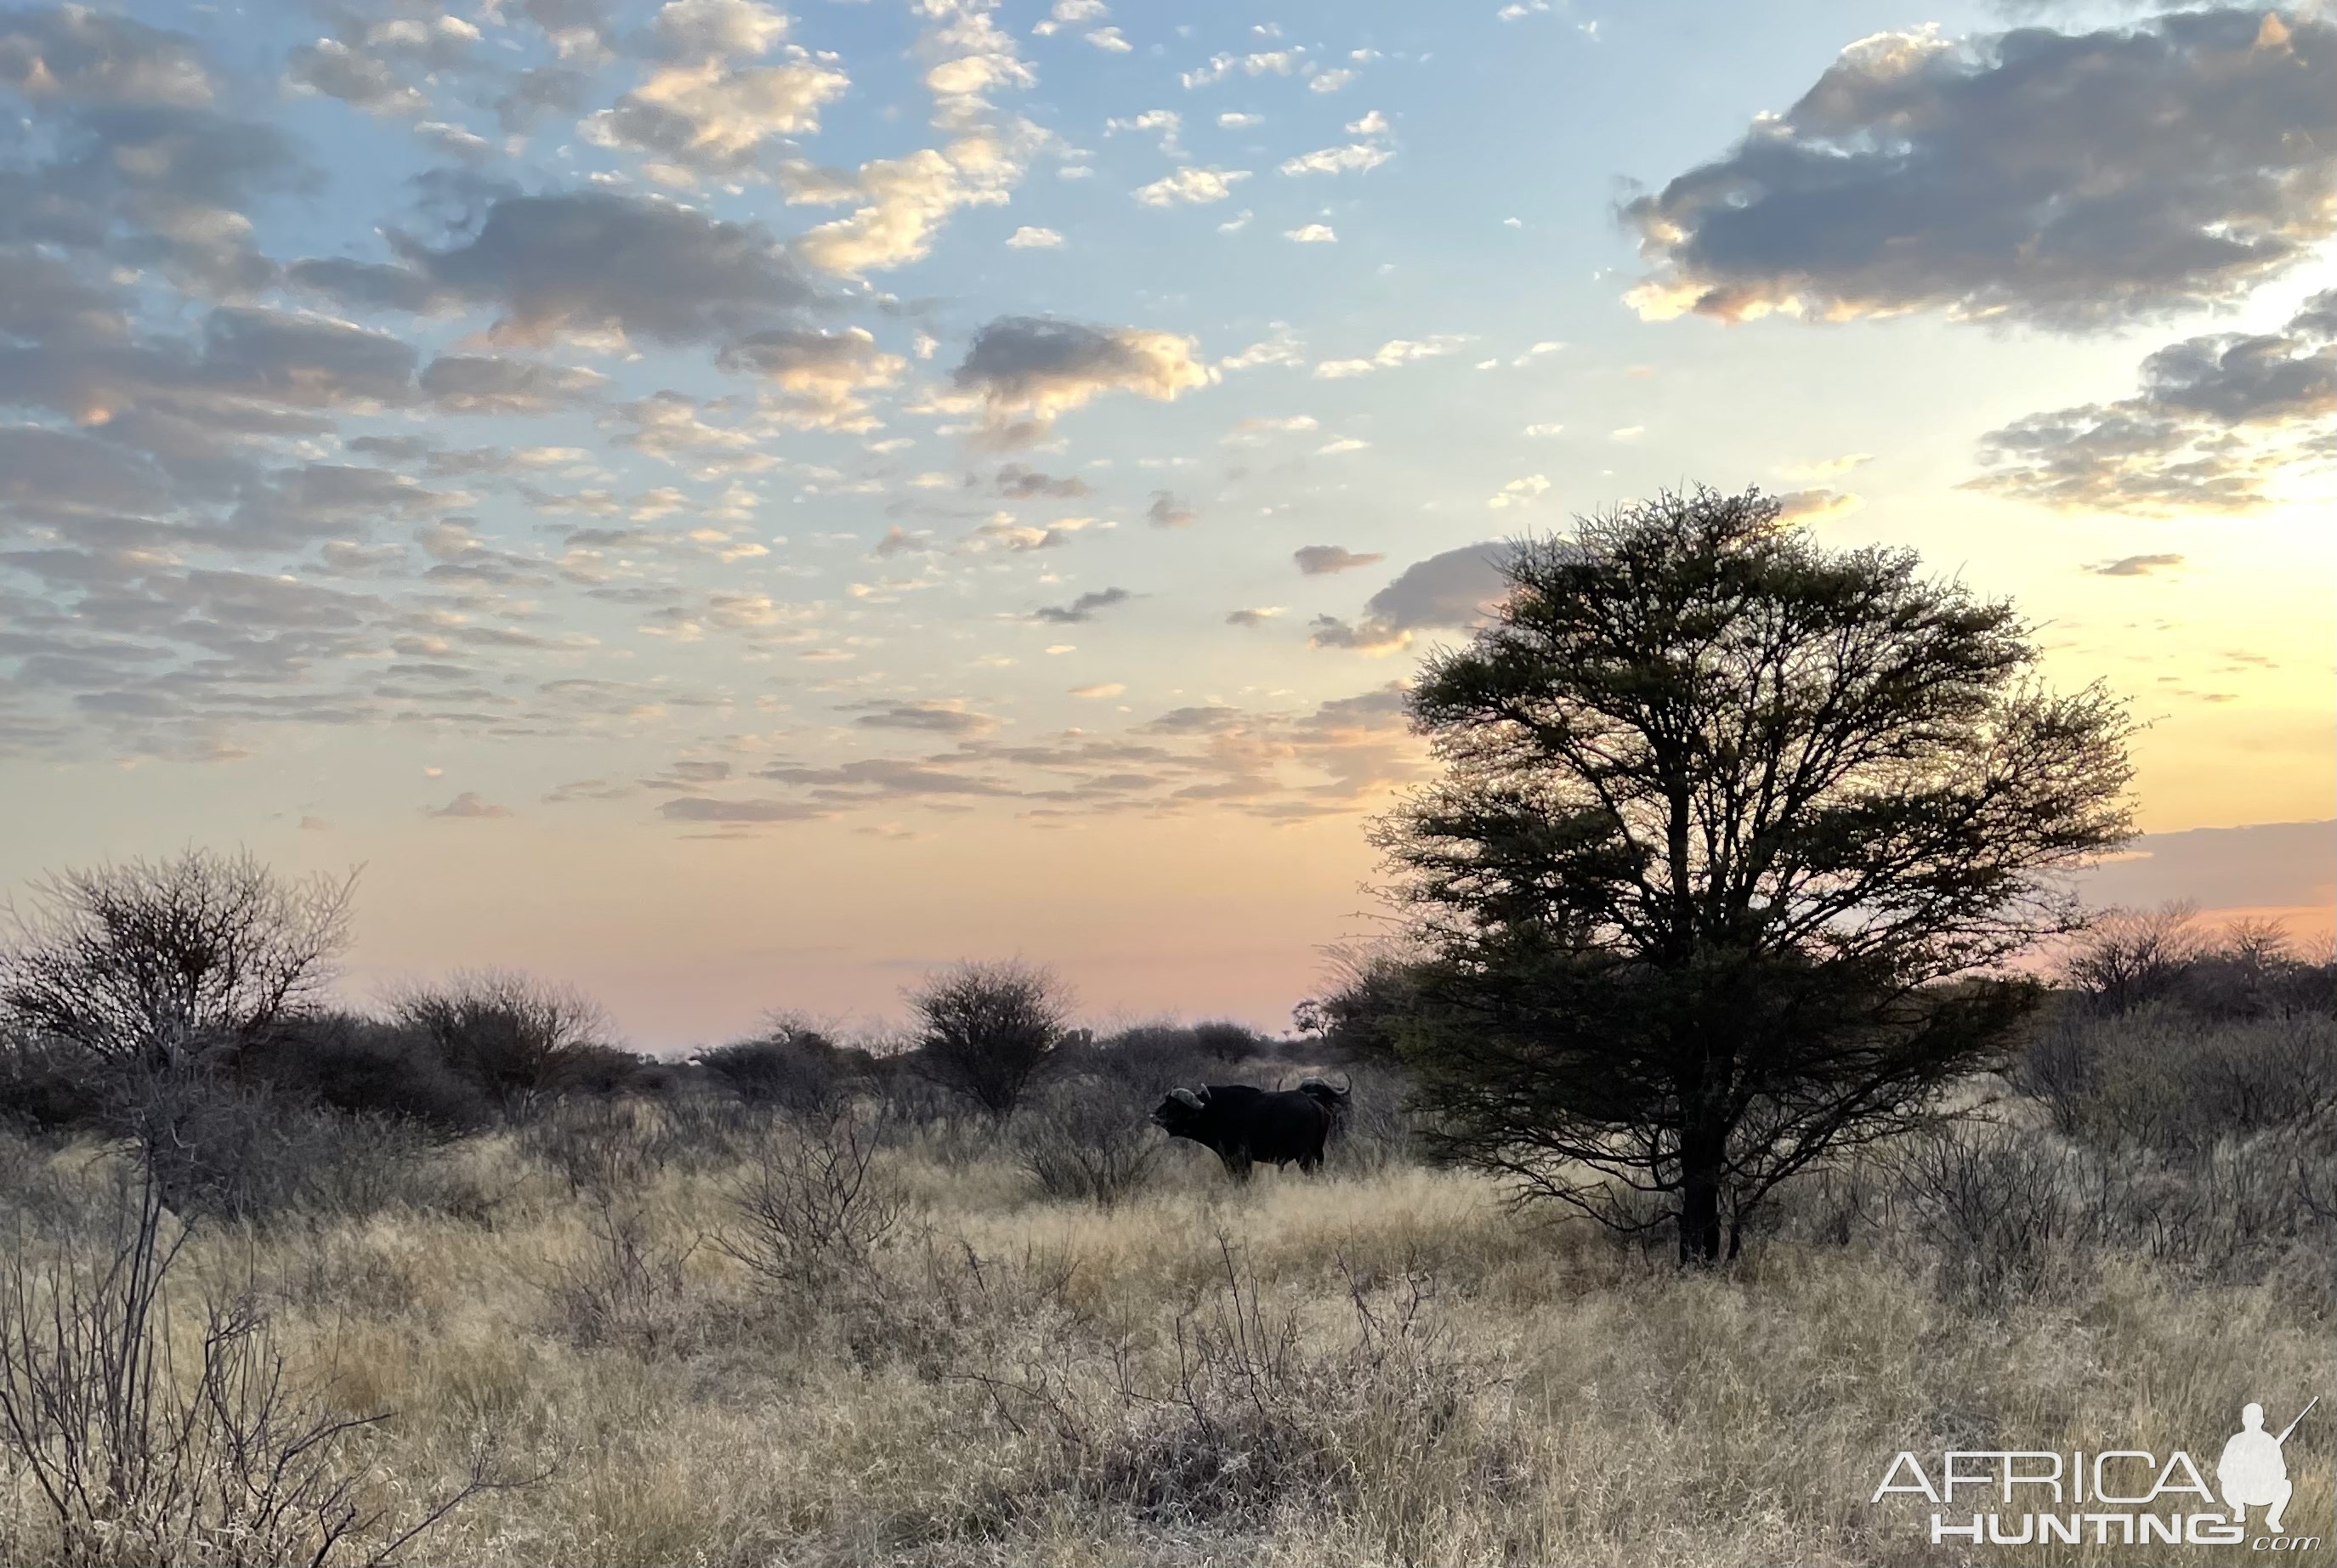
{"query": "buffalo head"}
{"type": "Point", "coordinates": [1181, 1113]}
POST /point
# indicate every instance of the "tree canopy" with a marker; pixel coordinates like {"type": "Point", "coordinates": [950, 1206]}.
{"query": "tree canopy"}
{"type": "Point", "coordinates": [1735, 838]}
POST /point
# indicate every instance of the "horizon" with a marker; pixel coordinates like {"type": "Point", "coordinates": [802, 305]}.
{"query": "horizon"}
{"type": "Point", "coordinates": [730, 506]}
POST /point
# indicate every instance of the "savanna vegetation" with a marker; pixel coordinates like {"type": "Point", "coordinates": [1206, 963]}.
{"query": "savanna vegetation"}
{"type": "Point", "coordinates": [1704, 1152]}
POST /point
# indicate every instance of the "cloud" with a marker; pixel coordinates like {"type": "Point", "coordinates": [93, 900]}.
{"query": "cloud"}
{"type": "Point", "coordinates": [1518, 491]}
{"type": "Point", "coordinates": [318, 501]}
{"type": "Point", "coordinates": [371, 286]}
{"type": "Point", "coordinates": [949, 717]}
{"type": "Point", "coordinates": [1323, 560]}
{"type": "Point", "coordinates": [1450, 591]}
{"type": "Point", "coordinates": [2264, 865]}
{"type": "Point", "coordinates": [1827, 468]}
{"type": "Point", "coordinates": [597, 263]}
{"type": "Point", "coordinates": [1356, 156]}
{"type": "Point", "coordinates": [2219, 418]}
{"type": "Point", "coordinates": [1166, 122]}
{"type": "Point", "coordinates": [1030, 238]}
{"type": "Point", "coordinates": [900, 204]}
{"type": "Point", "coordinates": [1018, 483]}
{"type": "Point", "coordinates": [821, 373]}
{"type": "Point", "coordinates": [1070, 11]}
{"type": "Point", "coordinates": [468, 804]}
{"type": "Point", "coordinates": [1168, 511]}
{"type": "Point", "coordinates": [1083, 609]}
{"type": "Point", "coordinates": [1394, 352]}
{"type": "Point", "coordinates": [1370, 639]}
{"type": "Point", "coordinates": [51, 475]}
{"type": "Point", "coordinates": [487, 383]}
{"type": "Point", "coordinates": [709, 118]}
{"type": "Point", "coordinates": [74, 53]}
{"type": "Point", "coordinates": [254, 372]}
{"type": "Point", "coordinates": [1254, 429]}
{"type": "Point", "coordinates": [1311, 234]}
{"type": "Point", "coordinates": [1817, 505]}
{"type": "Point", "coordinates": [2073, 181]}
{"type": "Point", "coordinates": [1265, 63]}
{"type": "Point", "coordinates": [1191, 187]}
{"type": "Point", "coordinates": [874, 779]}
{"type": "Point", "coordinates": [1100, 689]}
{"type": "Point", "coordinates": [1255, 617]}
{"type": "Point", "coordinates": [1039, 367]}
{"type": "Point", "coordinates": [703, 108]}
{"type": "Point", "coordinates": [2136, 565]}
{"type": "Point", "coordinates": [333, 69]}
{"type": "Point", "coordinates": [121, 149]}
{"type": "Point", "coordinates": [708, 809]}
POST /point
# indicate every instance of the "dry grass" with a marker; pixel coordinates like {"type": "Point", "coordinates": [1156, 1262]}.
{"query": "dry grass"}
{"type": "Point", "coordinates": [1387, 1367]}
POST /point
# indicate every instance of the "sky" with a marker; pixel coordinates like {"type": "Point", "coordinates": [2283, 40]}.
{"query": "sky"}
{"type": "Point", "coordinates": [731, 507]}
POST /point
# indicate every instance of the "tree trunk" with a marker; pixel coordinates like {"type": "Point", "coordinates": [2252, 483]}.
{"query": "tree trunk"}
{"type": "Point", "coordinates": [1701, 1159]}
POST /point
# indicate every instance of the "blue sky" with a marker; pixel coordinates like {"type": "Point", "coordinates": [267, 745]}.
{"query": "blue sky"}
{"type": "Point", "coordinates": [728, 504]}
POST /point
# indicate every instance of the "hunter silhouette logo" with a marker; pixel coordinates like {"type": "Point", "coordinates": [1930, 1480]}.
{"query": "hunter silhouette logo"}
{"type": "Point", "coordinates": [2116, 1497]}
{"type": "Point", "coordinates": [2253, 1472]}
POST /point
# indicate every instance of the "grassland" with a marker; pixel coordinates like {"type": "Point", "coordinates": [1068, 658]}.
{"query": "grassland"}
{"type": "Point", "coordinates": [1385, 1364]}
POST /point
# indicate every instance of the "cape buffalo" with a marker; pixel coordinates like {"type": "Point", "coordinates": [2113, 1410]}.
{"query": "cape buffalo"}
{"type": "Point", "coordinates": [1243, 1124]}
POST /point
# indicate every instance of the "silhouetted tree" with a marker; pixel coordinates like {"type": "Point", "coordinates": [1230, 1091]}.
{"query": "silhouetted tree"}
{"type": "Point", "coordinates": [794, 1065]}
{"type": "Point", "coordinates": [1735, 838]}
{"type": "Point", "coordinates": [516, 1036]}
{"type": "Point", "coordinates": [1371, 989]}
{"type": "Point", "coordinates": [1225, 1041]}
{"type": "Point", "coordinates": [987, 1029]}
{"type": "Point", "coordinates": [155, 965]}
{"type": "Point", "coordinates": [2130, 957]}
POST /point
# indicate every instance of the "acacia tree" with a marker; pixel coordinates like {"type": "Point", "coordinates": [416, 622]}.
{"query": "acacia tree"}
{"type": "Point", "coordinates": [1735, 838]}
{"type": "Point", "coordinates": [161, 964]}
{"type": "Point", "coordinates": [989, 1029]}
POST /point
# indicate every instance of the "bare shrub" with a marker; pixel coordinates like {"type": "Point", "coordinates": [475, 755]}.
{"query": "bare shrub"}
{"type": "Point", "coordinates": [1254, 1414]}
{"type": "Point", "coordinates": [162, 962]}
{"type": "Point", "coordinates": [366, 1066]}
{"type": "Point", "coordinates": [1223, 1041]}
{"type": "Point", "coordinates": [2163, 1077]}
{"type": "Point", "coordinates": [220, 1150]}
{"type": "Point", "coordinates": [813, 1208]}
{"type": "Point", "coordinates": [795, 1068]}
{"type": "Point", "coordinates": [518, 1038]}
{"type": "Point", "coordinates": [1991, 1201]}
{"type": "Point", "coordinates": [698, 1130]}
{"type": "Point", "coordinates": [48, 1086]}
{"type": "Point", "coordinates": [628, 1283]}
{"type": "Point", "coordinates": [1377, 1126]}
{"type": "Point", "coordinates": [596, 1146]}
{"type": "Point", "coordinates": [1150, 1059]}
{"type": "Point", "coordinates": [988, 1030]}
{"type": "Point", "coordinates": [1843, 1199]}
{"type": "Point", "coordinates": [1088, 1139]}
{"type": "Point", "coordinates": [144, 1451]}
